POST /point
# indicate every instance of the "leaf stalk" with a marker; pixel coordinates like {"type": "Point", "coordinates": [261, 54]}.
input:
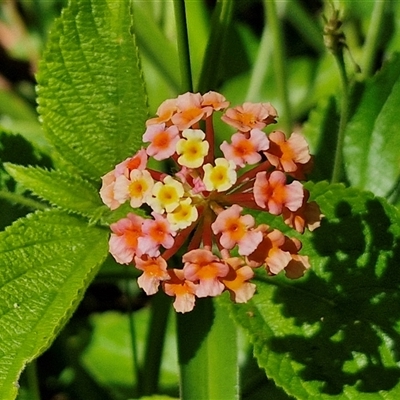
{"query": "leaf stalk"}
{"type": "Point", "coordinates": [183, 45]}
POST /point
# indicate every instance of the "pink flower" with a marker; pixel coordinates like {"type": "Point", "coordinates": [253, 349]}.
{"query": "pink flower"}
{"type": "Point", "coordinates": [245, 150]}
{"type": "Point", "coordinates": [124, 239]}
{"type": "Point", "coordinates": [138, 161]}
{"type": "Point", "coordinates": [235, 229]}
{"type": "Point", "coordinates": [250, 115]}
{"type": "Point", "coordinates": [287, 155]}
{"type": "Point", "coordinates": [236, 281]}
{"type": "Point", "coordinates": [162, 141]}
{"type": "Point", "coordinates": [190, 110]}
{"type": "Point", "coordinates": [165, 112]}
{"type": "Point", "coordinates": [272, 193]}
{"type": "Point", "coordinates": [137, 188]}
{"type": "Point", "coordinates": [299, 264]}
{"type": "Point", "coordinates": [155, 233]}
{"type": "Point", "coordinates": [107, 191]}
{"type": "Point", "coordinates": [308, 215]}
{"type": "Point", "coordinates": [270, 253]}
{"type": "Point", "coordinates": [215, 100]}
{"type": "Point", "coordinates": [154, 271]}
{"type": "Point", "coordinates": [183, 290]}
{"type": "Point", "coordinates": [204, 267]}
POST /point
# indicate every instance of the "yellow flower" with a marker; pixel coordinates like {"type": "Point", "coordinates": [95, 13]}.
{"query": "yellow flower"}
{"type": "Point", "coordinates": [192, 149]}
{"type": "Point", "coordinates": [167, 195]}
{"type": "Point", "coordinates": [221, 177]}
{"type": "Point", "coordinates": [183, 215]}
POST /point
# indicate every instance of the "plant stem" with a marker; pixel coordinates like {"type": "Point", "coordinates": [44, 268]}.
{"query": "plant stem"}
{"type": "Point", "coordinates": [183, 45]}
{"type": "Point", "coordinates": [132, 331]}
{"type": "Point", "coordinates": [33, 383]}
{"type": "Point", "coordinates": [337, 166]}
{"type": "Point", "coordinates": [22, 200]}
{"type": "Point", "coordinates": [160, 308]}
{"type": "Point", "coordinates": [221, 20]}
{"type": "Point", "coordinates": [373, 38]}
{"type": "Point", "coordinates": [279, 60]}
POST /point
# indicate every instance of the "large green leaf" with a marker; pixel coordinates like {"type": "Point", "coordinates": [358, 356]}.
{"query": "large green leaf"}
{"type": "Point", "coordinates": [46, 262]}
{"type": "Point", "coordinates": [91, 92]}
{"type": "Point", "coordinates": [372, 146]}
{"type": "Point", "coordinates": [67, 191]}
{"type": "Point", "coordinates": [335, 334]}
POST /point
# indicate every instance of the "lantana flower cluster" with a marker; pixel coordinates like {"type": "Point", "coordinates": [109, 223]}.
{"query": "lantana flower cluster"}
{"type": "Point", "coordinates": [203, 206]}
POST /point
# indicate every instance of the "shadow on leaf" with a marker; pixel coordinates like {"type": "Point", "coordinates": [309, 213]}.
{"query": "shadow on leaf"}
{"type": "Point", "coordinates": [348, 306]}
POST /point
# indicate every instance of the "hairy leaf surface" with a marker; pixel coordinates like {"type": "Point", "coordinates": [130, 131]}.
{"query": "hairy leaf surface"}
{"type": "Point", "coordinates": [46, 262]}
{"type": "Point", "coordinates": [64, 190]}
{"type": "Point", "coordinates": [91, 93]}
{"type": "Point", "coordinates": [334, 334]}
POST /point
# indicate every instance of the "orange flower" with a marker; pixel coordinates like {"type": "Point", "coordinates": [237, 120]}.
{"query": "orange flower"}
{"type": "Point", "coordinates": [272, 193]}
{"type": "Point", "coordinates": [288, 155]}
{"type": "Point", "coordinates": [277, 252]}
{"type": "Point", "coordinates": [164, 112]}
{"type": "Point", "coordinates": [308, 215]}
{"type": "Point", "coordinates": [215, 100]}
{"type": "Point", "coordinates": [236, 230]}
{"type": "Point", "coordinates": [162, 140]}
{"type": "Point", "coordinates": [236, 281]}
{"type": "Point", "coordinates": [154, 271]}
{"type": "Point", "coordinates": [124, 239]}
{"type": "Point", "coordinates": [190, 110]}
{"type": "Point", "coordinates": [203, 267]}
{"type": "Point", "coordinates": [245, 150]}
{"type": "Point", "coordinates": [183, 290]}
{"type": "Point", "coordinates": [250, 115]}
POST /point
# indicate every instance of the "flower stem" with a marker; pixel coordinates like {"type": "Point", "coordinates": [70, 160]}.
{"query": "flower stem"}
{"type": "Point", "coordinates": [183, 45]}
{"type": "Point", "coordinates": [132, 331]}
{"type": "Point", "coordinates": [155, 343]}
{"type": "Point", "coordinates": [337, 166]}
{"type": "Point", "coordinates": [373, 38]}
{"type": "Point", "coordinates": [33, 383]}
{"type": "Point", "coordinates": [279, 60]}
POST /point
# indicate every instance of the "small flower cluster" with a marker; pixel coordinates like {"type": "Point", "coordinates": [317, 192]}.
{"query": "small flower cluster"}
{"type": "Point", "coordinates": [201, 207]}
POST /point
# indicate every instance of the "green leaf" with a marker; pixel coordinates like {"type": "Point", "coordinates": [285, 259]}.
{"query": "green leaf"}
{"type": "Point", "coordinates": [91, 92]}
{"type": "Point", "coordinates": [335, 333]}
{"type": "Point", "coordinates": [321, 132]}
{"type": "Point", "coordinates": [372, 149]}
{"type": "Point", "coordinates": [47, 260]}
{"type": "Point", "coordinates": [208, 361]}
{"type": "Point", "coordinates": [60, 188]}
